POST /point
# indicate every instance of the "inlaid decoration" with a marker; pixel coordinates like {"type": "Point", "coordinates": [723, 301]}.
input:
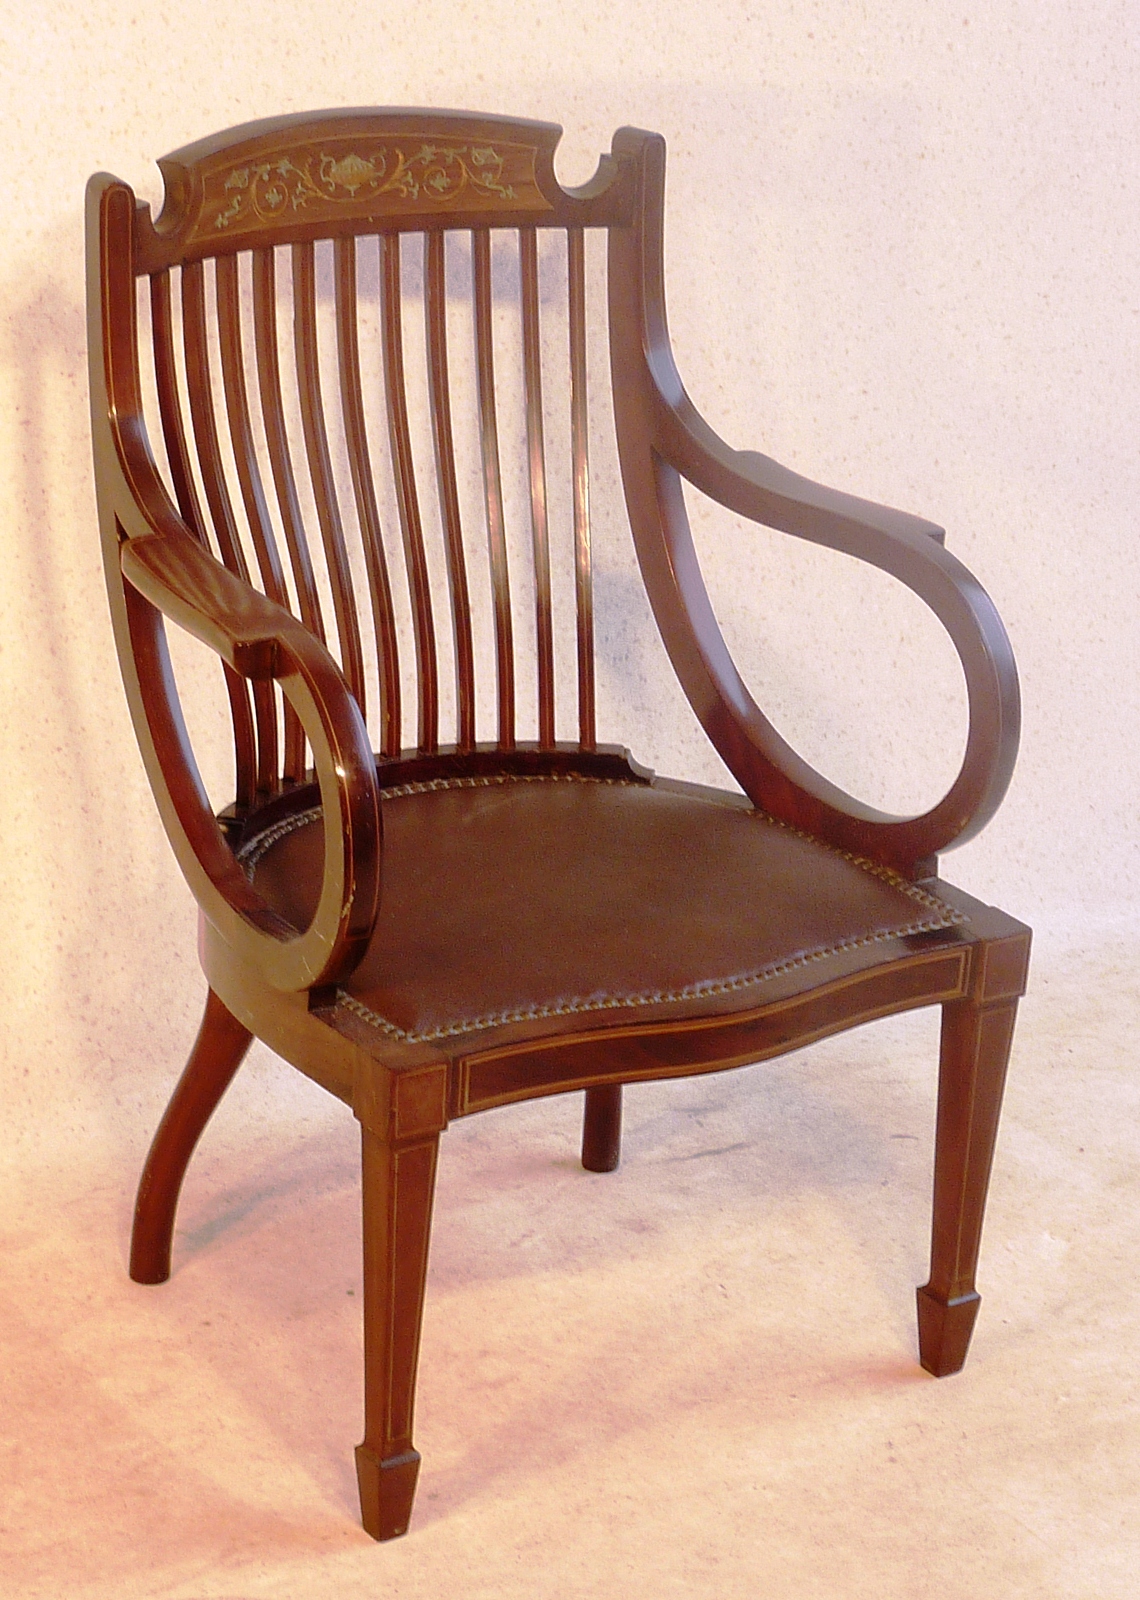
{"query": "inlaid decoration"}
{"type": "Point", "coordinates": [368, 177]}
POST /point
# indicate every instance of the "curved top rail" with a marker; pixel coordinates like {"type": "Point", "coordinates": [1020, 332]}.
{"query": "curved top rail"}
{"type": "Point", "coordinates": [323, 174]}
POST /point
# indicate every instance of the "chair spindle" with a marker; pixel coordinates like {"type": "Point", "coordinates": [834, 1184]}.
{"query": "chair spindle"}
{"type": "Point", "coordinates": [251, 773]}
{"type": "Point", "coordinates": [320, 467]}
{"type": "Point", "coordinates": [435, 315]}
{"type": "Point", "coordinates": [352, 405]}
{"type": "Point", "coordinates": [169, 406]}
{"type": "Point", "coordinates": [277, 439]}
{"type": "Point", "coordinates": [579, 445]}
{"type": "Point", "coordinates": [407, 498]}
{"type": "Point", "coordinates": [536, 461]}
{"type": "Point", "coordinates": [493, 488]}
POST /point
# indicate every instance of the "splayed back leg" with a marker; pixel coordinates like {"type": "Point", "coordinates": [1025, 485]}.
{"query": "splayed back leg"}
{"type": "Point", "coordinates": [218, 1052]}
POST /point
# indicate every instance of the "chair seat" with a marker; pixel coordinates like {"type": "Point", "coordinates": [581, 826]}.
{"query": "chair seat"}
{"type": "Point", "coordinates": [516, 900]}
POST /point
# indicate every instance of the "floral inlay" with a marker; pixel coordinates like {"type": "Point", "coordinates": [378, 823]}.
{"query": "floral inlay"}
{"type": "Point", "coordinates": [430, 176]}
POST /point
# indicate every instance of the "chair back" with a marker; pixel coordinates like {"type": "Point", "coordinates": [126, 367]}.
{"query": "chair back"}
{"type": "Point", "coordinates": [342, 323]}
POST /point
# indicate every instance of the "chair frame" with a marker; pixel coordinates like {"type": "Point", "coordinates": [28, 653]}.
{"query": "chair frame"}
{"type": "Point", "coordinates": [267, 979]}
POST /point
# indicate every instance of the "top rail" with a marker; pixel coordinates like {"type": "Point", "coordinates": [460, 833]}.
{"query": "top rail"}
{"type": "Point", "coordinates": [331, 174]}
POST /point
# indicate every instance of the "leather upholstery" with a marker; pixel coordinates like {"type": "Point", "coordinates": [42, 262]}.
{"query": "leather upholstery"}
{"type": "Point", "coordinates": [505, 901]}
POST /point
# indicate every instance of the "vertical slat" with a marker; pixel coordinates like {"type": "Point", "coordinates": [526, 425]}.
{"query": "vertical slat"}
{"type": "Point", "coordinates": [435, 312]}
{"type": "Point", "coordinates": [241, 434]}
{"type": "Point", "coordinates": [320, 467]}
{"type": "Point", "coordinates": [579, 444]}
{"type": "Point", "coordinates": [532, 374]}
{"type": "Point", "coordinates": [492, 487]}
{"type": "Point", "coordinates": [352, 404]}
{"type": "Point", "coordinates": [277, 438]}
{"type": "Point", "coordinates": [257, 513]}
{"type": "Point", "coordinates": [293, 763]}
{"type": "Point", "coordinates": [406, 498]}
{"type": "Point", "coordinates": [169, 406]}
{"type": "Point", "coordinates": [202, 417]}
{"type": "Point", "coordinates": [246, 772]}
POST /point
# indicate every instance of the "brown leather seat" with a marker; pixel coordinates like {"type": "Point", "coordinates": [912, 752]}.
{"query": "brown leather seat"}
{"type": "Point", "coordinates": [509, 902]}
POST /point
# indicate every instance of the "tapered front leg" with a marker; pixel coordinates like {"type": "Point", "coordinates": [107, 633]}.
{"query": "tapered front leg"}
{"type": "Point", "coordinates": [218, 1052]}
{"type": "Point", "coordinates": [976, 1038]}
{"type": "Point", "coordinates": [398, 1178]}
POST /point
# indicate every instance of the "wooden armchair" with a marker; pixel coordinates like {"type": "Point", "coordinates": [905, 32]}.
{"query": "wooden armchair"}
{"type": "Point", "coordinates": [431, 931]}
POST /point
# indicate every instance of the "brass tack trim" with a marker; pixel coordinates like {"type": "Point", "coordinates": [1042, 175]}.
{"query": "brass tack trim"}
{"type": "Point", "coordinates": [942, 916]}
{"type": "Point", "coordinates": [701, 990]}
{"type": "Point", "coordinates": [251, 852]}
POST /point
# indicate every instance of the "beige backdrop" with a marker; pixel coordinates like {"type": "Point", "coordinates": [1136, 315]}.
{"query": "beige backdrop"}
{"type": "Point", "coordinates": [903, 258]}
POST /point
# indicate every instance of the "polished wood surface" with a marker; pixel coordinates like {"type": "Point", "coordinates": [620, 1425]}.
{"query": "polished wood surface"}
{"type": "Point", "coordinates": [435, 312]}
{"type": "Point", "coordinates": [579, 429]}
{"type": "Point", "coordinates": [217, 1054]}
{"type": "Point", "coordinates": [493, 487]}
{"type": "Point", "coordinates": [601, 1128]}
{"type": "Point", "coordinates": [431, 917]}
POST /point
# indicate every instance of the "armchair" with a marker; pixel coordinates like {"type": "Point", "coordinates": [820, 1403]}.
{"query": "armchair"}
{"type": "Point", "coordinates": [428, 915]}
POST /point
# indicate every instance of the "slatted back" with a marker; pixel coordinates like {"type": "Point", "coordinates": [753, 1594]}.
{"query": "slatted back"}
{"type": "Point", "coordinates": [362, 332]}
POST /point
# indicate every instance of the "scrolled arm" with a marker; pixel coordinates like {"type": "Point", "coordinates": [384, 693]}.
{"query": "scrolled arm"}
{"type": "Point", "coordinates": [661, 440]}
{"type": "Point", "coordinates": [155, 567]}
{"type": "Point", "coordinates": [170, 571]}
{"type": "Point", "coordinates": [908, 548]}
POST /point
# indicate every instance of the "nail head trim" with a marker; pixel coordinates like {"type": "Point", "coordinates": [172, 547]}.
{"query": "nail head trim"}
{"type": "Point", "coordinates": [942, 916]}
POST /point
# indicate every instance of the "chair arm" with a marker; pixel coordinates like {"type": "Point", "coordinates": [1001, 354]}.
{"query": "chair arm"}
{"type": "Point", "coordinates": [661, 439]}
{"type": "Point", "coordinates": [164, 565]}
{"type": "Point", "coordinates": [911, 550]}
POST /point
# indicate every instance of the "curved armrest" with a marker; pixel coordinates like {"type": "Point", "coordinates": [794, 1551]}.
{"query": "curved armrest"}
{"type": "Point", "coordinates": [156, 567]}
{"type": "Point", "coordinates": [911, 550]}
{"type": "Point", "coordinates": [167, 567]}
{"type": "Point", "coordinates": [662, 439]}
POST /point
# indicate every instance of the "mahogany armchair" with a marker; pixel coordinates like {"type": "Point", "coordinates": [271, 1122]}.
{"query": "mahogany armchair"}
{"type": "Point", "coordinates": [434, 930]}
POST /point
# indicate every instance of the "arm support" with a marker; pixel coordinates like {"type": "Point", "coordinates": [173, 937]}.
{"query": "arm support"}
{"type": "Point", "coordinates": [908, 548]}
{"type": "Point", "coordinates": [662, 440]}
{"type": "Point", "coordinates": [156, 568]}
{"type": "Point", "coordinates": [169, 573]}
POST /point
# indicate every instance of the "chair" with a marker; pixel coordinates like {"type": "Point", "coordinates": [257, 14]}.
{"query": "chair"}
{"type": "Point", "coordinates": [429, 931]}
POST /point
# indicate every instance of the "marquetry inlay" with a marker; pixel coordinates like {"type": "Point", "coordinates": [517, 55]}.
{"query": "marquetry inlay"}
{"type": "Point", "coordinates": [366, 177]}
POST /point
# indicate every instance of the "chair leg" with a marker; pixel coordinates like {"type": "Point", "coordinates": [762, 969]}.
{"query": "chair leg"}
{"type": "Point", "coordinates": [218, 1052]}
{"type": "Point", "coordinates": [975, 1051]}
{"type": "Point", "coordinates": [601, 1128]}
{"type": "Point", "coordinates": [398, 1185]}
